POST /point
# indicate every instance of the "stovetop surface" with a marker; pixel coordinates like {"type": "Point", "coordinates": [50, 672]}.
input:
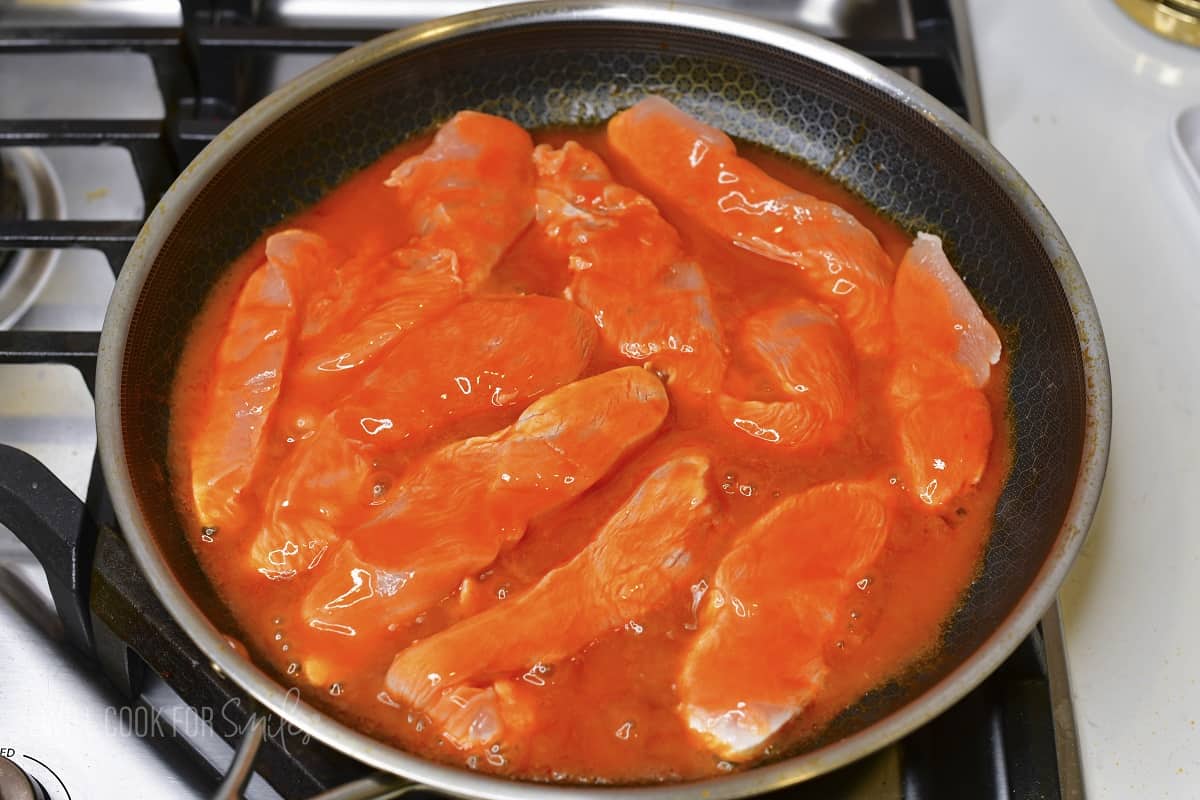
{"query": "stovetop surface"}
{"type": "Point", "coordinates": [60, 718]}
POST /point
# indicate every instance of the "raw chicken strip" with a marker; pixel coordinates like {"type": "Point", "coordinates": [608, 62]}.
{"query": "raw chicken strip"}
{"type": "Point", "coordinates": [650, 551]}
{"type": "Point", "coordinates": [944, 428]}
{"type": "Point", "coordinates": [695, 167]}
{"type": "Point", "coordinates": [481, 356]}
{"type": "Point", "coordinates": [406, 289]}
{"type": "Point", "coordinates": [628, 269]}
{"type": "Point", "coordinates": [303, 254]}
{"type": "Point", "coordinates": [775, 606]}
{"type": "Point", "coordinates": [465, 199]}
{"type": "Point", "coordinates": [935, 313]}
{"type": "Point", "coordinates": [486, 354]}
{"type": "Point", "coordinates": [322, 486]}
{"type": "Point", "coordinates": [248, 372]}
{"type": "Point", "coordinates": [807, 363]}
{"type": "Point", "coordinates": [947, 349]}
{"type": "Point", "coordinates": [470, 192]}
{"type": "Point", "coordinates": [458, 507]}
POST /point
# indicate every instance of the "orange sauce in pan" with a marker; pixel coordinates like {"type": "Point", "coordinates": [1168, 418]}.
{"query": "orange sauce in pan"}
{"type": "Point", "coordinates": [613, 717]}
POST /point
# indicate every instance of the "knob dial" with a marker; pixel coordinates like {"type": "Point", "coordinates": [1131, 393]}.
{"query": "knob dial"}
{"type": "Point", "coordinates": [16, 785]}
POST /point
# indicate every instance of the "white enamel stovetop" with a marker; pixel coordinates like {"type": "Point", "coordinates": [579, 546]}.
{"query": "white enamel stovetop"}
{"type": "Point", "coordinates": [1081, 101]}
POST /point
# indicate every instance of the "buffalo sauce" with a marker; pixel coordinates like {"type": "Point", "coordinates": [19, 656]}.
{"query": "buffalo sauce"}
{"type": "Point", "coordinates": [609, 714]}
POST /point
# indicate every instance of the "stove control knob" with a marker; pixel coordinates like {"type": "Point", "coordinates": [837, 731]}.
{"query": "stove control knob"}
{"type": "Point", "coordinates": [16, 785]}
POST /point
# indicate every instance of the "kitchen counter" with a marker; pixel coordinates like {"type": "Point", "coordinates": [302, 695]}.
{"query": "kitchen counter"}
{"type": "Point", "coordinates": [1081, 100]}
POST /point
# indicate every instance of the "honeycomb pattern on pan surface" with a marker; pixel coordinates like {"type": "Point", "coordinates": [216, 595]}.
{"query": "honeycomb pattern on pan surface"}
{"type": "Point", "coordinates": [899, 161]}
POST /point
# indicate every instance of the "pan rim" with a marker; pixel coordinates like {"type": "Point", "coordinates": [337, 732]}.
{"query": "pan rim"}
{"type": "Point", "coordinates": [275, 697]}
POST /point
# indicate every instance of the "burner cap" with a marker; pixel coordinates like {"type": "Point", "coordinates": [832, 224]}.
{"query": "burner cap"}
{"type": "Point", "coordinates": [1178, 20]}
{"type": "Point", "coordinates": [15, 784]}
{"type": "Point", "coordinates": [29, 189]}
{"type": "Point", "coordinates": [12, 206]}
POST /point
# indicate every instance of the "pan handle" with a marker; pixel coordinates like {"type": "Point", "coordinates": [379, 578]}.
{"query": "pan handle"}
{"type": "Point", "coordinates": [376, 786]}
{"type": "Point", "coordinates": [379, 786]}
{"type": "Point", "coordinates": [62, 534]}
{"type": "Point", "coordinates": [57, 528]}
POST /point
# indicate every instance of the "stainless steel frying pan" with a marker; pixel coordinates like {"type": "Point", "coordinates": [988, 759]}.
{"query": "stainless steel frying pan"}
{"type": "Point", "coordinates": [574, 63]}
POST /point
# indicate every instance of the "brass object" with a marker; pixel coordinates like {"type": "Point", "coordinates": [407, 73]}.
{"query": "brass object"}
{"type": "Point", "coordinates": [1177, 20]}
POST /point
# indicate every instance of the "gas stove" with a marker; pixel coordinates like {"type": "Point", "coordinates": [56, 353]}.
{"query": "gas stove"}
{"type": "Point", "coordinates": [101, 695]}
